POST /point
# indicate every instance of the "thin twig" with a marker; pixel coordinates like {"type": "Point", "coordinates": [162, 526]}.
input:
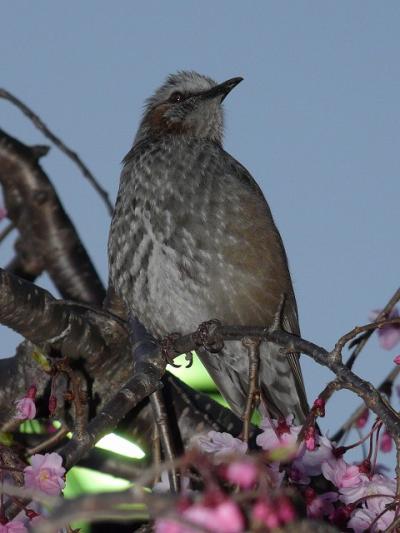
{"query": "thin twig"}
{"type": "Point", "coordinates": [363, 339]}
{"type": "Point", "coordinates": [31, 493]}
{"type": "Point", "coordinates": [361, 329]}
{"type": "Point", "coordinates": [362, 442]}
{"type": "Point", "coordinates": [134, 391]}
{"type": "Point", "coordinates": [41, 126]}
{"type": "Point", "coordinates": [50, 441]}
{"type": "Point", "coordinates": [161, 419]}
{"type": "Point", "coordinates": [330, 388]}
{"type": "Point", "coordinates": [6, 231]}
{"type": "Point", "coordinates": [397, 443]}
{"type": "Point", "coordinates": [156, 449]}
{"type": "Point", "coordinates": [393, 526]}
{"type": "Point", "coordinates": [253, 352]}
{"type": "Point", "coordinates": [80, 403]}
{"type": "Point", "coordinates": [379, 516]}
{"type": "Point", "coordinates": [384, 387]}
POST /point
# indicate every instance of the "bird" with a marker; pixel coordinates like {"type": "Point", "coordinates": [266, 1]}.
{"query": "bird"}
{"type": "Point", "coordinates": [192, 238]}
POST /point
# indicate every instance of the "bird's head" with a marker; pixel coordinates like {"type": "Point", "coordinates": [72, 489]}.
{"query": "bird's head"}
{"type": "Point", "coordinates": [187, 104]}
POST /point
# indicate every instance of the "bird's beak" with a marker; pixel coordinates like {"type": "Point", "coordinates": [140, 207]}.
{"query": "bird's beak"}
{"type": "Point", "coordinates": [223, 89]}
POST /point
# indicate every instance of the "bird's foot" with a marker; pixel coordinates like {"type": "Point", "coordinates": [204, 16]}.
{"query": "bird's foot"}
{"type": "Point", "coordinates": [205, 336]}
{"type": "Point", "coordinates": [189, 359]}
{"type": "Point", "coordinates": [168, 348]}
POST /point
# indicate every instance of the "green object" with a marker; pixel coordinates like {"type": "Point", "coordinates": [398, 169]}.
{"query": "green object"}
{"type": "Point", "coordinates": [196, 376]}
{"type": "Point", "coordinates": [82, 480]}
{"type": "Point", "coordinates": [30, 426]}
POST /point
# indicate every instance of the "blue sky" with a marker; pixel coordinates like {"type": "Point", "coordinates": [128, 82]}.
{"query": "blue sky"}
{"type": "Point", "coordinates": [316, 121]}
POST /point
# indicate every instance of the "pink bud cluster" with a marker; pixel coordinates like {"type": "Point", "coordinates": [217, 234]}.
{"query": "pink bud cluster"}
{"type": "Point", "coordinates": [354, 496]}
{"type": "Point", "coordinates": [26, 408]}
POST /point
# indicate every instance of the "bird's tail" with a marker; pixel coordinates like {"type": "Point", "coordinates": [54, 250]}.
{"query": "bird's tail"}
{"type": "Point", "coordinates": [280, 382]}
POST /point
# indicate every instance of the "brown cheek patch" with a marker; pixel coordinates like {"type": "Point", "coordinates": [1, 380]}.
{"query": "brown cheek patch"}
{"type": "Point", "coordinates": [159, 123]}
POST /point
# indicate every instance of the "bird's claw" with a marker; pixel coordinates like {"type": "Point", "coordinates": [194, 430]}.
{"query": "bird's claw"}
{"type": "Point", "coordinates": [189, 359]}
{"type": "Point", "coordinates": [168, 348]}
{"type": "Point", "coordinates": [205, 332]}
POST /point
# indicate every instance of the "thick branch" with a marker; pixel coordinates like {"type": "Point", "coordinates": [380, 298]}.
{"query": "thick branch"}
{"type": "Point", "coordinates": [74, 330]}
{"type": "Point", "coordinates": [37, 213]}
{"type": "Point", "coordinates": [134, 391]}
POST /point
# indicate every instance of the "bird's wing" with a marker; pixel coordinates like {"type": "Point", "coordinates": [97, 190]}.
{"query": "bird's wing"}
{"type": "Point", "coordinates": [270, 248]}
{"type": "Point", "coordinates": [291, 324]}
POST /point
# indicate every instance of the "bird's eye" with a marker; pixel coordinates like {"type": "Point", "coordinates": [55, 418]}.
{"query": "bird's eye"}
{"type": "Point", "coordinates": [176, 97]}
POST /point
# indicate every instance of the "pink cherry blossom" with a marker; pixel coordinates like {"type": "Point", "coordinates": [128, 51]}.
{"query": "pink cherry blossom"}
{"type": "Point", "coordinates": [52, 404]}
{"type": "Point", "coordinates": [167, 525]}
{"type": "Point", "coordinates": [273, 514]}
{"type": "Point", "coordinates": [309, 438]}
{"type": "Point", "coordinates": [319, 406]}
{"type": "Point", "coordinates": [320, 505]}
{"type": "Point", "coordinates": [386, 443]}
{"type": "Point", "coordinates": [32, 515]}
{"type": "Point", "coordinates": [378, 484]}
{"type": "Point", "coordinates": [297, 474]}
{"type": "Point", "coordinates": [3, 215]}
{"type": "Point", "coordinates": [396, 360]}
{"type": "Point", "coordinates": [389, 335]}
{"type": "Point", "coordinates": [338, 472]}
{"type": "Point", "coordinates": [45, 473]}
{"type": "Point", "coordinates": [340, 516]}
{"type": "Point", "coordinates": [286, 510]}
{"type": "Point", "coordinates": [309, 463]}
{"type": "Point", "coordinates": [264, 513]}
{"type": "Point", "coordinates": [362, 419]}
{"type": "Point", "coordinates": [220, 444]}
{"type": "Point", "coordinates": [352, 494]}
{"type": "Point", "coordinates": [275, 476]}
{"type": "Point", "coordinates": [278, 433]}
{"type": "Point", "coordinates": [26, 408]}
{"type": "Point", "coordinates": [242, 473]}
{"type": "Point", "coordinates": [13, 527]}
{"type": "Point", "coordinates": [362, 518]}
{"type": "Point", "coordinates": [224, 518]}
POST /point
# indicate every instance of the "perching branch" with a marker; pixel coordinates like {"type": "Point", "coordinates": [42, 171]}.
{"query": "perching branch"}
{"type": "Point", "coordinates": [73, 332]}
{"type": "Point", "coordinates": [333, 360]}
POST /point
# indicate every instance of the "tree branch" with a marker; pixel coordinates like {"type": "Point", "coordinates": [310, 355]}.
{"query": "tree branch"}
{"type": "Point", "coordinates": [44, 226]}
{"type": "Point", "coordinates": [363, 339]}
{"type": "Point", "coordinates": [60, 144]}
